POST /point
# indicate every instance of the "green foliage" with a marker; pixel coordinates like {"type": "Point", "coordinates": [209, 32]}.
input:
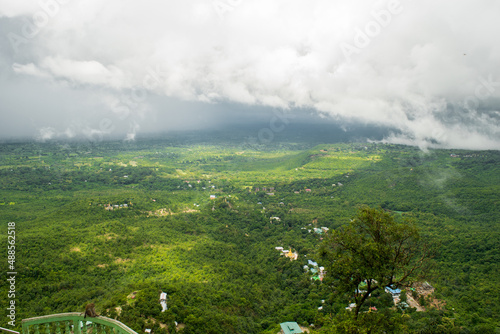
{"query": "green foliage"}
{"type": "Point", "coordinates": [373, 250]}
{"type": "Point", "coordinates": [386, 321]}
{"type": "Point", "coordinates": [216, 258]}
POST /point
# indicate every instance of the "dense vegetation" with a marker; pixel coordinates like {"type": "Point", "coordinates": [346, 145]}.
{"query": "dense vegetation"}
{"type": "Point", "coordinates": [216, 258]}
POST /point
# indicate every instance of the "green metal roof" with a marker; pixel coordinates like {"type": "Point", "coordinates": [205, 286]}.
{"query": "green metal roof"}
{"type": "Point", "coordinates": [290, 327]}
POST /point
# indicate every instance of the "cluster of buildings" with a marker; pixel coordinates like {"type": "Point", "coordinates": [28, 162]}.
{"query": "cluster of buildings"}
{"type": "Point", "coordinates": [270, 189]}
{"type": "Point", "coordinates": [465, 156]}
{"type": "Point", "coordinates": [320, 230]}
{"type": "Point", "coordinates": [318, 273]}
{"type": "Point", "coordinates": [395, 293]}
{"type": "Point", "coordinates": [317, 230]}
{"type": "Point", "coordinates": [288, 253]}
{"type": "Point", "coordinates": [111, 207]}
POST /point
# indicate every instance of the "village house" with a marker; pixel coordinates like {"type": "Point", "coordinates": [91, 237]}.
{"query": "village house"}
{"type": "Point", "coordinates": [351, 307]}
{"type": "Point", "coordinates": [318, 230]}
{"type": "Point", "coordinates": [312, 263]}
{"type": "Point", "coordinates": [321, 273]}
{"type": "Point", "coordinates": [318, 273]}
{"type": "Point", "coordinates": [395, 293]}
{"type": "Point", "coordinates": [163, 301]}
{"type": "Point", "coordinates": [290, 328]}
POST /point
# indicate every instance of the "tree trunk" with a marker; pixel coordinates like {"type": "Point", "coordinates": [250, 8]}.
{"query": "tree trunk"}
{"type": "Point", "coordinates": [365, 297]}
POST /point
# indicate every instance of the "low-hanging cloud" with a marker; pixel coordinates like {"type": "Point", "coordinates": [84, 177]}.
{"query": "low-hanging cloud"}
{"type": "Point", "coordinates": [427, 69]}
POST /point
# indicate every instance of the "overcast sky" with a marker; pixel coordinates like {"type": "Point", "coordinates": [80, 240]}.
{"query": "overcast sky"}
{"type": "Point", "coordinates": [429, 69]}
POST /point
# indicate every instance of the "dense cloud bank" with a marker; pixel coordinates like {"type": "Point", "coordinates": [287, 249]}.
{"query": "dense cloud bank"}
{"type": "Point", "coordinates": [429, 69]}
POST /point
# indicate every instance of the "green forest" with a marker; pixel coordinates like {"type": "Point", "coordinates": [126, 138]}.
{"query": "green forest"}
{"type": "Point", "coordinates": [116, 223]}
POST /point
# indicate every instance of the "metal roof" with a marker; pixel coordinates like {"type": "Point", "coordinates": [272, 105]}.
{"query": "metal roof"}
{"type": "Point", "coordinates": [290, 327]}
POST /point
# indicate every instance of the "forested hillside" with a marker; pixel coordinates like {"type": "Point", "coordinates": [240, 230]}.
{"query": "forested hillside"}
{"type": "Point", "coordinates": [116, 223]}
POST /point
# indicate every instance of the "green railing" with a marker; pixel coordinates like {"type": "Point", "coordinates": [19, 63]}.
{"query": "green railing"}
{"type": "Point", "coordinates": [75, 323]}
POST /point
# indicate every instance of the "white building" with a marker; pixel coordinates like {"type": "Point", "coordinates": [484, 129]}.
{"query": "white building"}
{"type": "Point", "coordinates": [163, 301]}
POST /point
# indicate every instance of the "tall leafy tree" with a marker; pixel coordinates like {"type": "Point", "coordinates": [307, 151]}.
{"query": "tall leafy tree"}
{"type": "Point", "coordinates": [372, 252]}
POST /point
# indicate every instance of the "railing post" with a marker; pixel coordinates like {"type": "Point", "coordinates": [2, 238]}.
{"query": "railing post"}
{"type": "Point", "coordinates": [66, 327]}
{"type": "Point", "coordinates": [76, 327]}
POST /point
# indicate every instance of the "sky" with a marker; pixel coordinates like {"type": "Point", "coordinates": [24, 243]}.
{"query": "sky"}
{"type": "Point", "coordinates": [429, 70]}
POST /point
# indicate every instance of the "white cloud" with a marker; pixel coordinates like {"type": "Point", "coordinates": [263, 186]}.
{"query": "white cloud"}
{"type": "Point", "coordinates": [411, 60]}
{"type": "Point", "coordinates": [30, 69]}
{"type": "Point", "coordinates": [9, 8]}
{"type": "Point", "coordinates": [81, 72]}
{"type": "Point", "coordinates": [46, 133]}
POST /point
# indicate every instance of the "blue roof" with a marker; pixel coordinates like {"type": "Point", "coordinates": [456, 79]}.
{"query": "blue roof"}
{"type": "Point", "coordinates": [290, 327]}
{"type": "Point", "coordinates": [312, 263]}
{"type": "Point", "coordinates": [393, 291]}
